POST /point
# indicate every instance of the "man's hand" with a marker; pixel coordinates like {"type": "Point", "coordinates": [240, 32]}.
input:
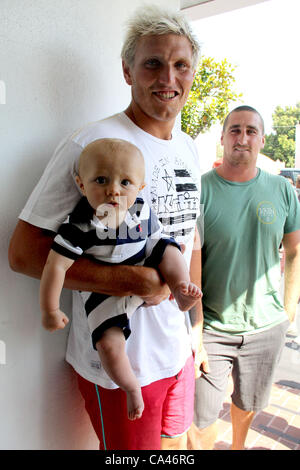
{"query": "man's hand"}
{"type": "Point", "coordinates": [201, 361]}
{"type": "Point", "coordinates": [158, 297]}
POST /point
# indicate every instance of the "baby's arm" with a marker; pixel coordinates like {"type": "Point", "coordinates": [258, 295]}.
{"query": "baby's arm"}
{"type": "Point", "coordinates": [52, 281]}
{"type": "Point", "coordinates": [176, 274]}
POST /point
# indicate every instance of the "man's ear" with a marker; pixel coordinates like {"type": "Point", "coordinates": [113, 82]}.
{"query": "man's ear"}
{"type": "Point", "coordinates": [126, 73]}
{"type": "Point", "coordinates": [80, 184]}
{"type": "Point", "coordinates": [222, 136]}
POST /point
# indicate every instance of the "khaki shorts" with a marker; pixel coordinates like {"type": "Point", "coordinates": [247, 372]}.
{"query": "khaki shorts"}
{"type": "Point", "coordinates": [250, 359]}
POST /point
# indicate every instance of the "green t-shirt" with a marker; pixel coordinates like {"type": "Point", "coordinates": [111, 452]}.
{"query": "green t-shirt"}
{"type": "Point", "coordinates": [244, 225]}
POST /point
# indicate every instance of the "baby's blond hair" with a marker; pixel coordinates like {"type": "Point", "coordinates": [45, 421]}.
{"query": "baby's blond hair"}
{"type": "Point", "coordinates": [105, 145]}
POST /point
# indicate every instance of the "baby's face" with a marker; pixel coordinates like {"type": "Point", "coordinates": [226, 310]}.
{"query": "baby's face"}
{"type": "Point", "coordinates": [112, 178]}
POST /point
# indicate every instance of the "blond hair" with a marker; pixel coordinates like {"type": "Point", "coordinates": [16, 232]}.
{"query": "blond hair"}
{"type": "Point", "coordinates": [155, 21]}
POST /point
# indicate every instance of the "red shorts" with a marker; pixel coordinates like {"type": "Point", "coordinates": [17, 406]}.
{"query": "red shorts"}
{"type": "Point", "coordinates": [169, 409]}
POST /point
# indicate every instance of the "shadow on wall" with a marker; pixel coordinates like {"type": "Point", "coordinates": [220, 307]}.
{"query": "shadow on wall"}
{"type": "Point", "coordinates": [63, 410]}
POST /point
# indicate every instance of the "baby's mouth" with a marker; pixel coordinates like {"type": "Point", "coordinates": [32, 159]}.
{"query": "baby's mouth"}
{"type": "Point", "coordinates": [113, 203]}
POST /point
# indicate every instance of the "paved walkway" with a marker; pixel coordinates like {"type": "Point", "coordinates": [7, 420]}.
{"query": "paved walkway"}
{"type": "Point", "coordinates": [277, 427]}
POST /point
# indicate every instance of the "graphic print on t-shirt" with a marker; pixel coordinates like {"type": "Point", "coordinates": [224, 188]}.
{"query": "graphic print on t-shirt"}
{"type": "Point", "coordinates": [174, 197]}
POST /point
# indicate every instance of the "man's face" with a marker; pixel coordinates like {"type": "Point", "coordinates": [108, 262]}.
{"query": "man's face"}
{"type": "Point", "coordinates": [242, 138]}
{"type": "Point", "coordinates": [161, 76]}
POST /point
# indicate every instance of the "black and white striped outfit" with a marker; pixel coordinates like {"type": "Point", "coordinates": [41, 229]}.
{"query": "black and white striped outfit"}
{"type": "Point", "coordinates": [137, 241]}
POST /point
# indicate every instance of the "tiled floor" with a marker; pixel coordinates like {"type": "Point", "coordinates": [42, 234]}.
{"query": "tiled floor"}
{"type": "Point", "coordinates": [277, 427]}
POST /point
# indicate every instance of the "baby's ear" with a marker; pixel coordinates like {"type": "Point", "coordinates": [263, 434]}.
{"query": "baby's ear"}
{"type": "Point", "coordinates": [80, 184]}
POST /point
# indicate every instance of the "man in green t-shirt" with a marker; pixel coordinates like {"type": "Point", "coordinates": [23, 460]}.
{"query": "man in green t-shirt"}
{"type": "Point", "coordinates": [246, 213]}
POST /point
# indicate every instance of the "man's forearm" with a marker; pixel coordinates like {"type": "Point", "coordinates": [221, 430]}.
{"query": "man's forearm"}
{"type": "Point", "coordinates": [195, 265]}
{"type": "Point", "coordinates": [196, 318]}
{"type": "Point", "coordinates": [196, 313]}
{"type": "Point", "coordinates": [29, 249]}
{"type": "Point", "coordinates": [121, 280]}
{"type": "Point", "coordinates": [201, 359]}
{"type": "Point", "coordinates": [291, 243]}
{"type": "Point", "coordinates": [291, 285]}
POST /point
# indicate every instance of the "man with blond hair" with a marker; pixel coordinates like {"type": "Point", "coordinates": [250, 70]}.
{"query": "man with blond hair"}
{"type": "Point", "coordinates": [159, 58]}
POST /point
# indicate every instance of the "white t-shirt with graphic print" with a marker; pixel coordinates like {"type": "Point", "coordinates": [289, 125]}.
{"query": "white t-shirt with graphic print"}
{"type": "Point", "coordinates": [161, 342]}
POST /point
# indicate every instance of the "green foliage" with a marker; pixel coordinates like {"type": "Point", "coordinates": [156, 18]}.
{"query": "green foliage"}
{"type": "Point", "coordinates": [281, 145]}
{"type": "Point", "coordinates": [209, 97]}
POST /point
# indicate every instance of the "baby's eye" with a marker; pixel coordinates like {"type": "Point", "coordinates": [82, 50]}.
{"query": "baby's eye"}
{"type": "Point", "coordinates": [125, 182]}
{"type": "Point", "coordinates": [101, 180]}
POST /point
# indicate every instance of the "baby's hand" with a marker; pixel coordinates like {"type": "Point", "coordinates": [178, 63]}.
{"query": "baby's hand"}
{"type": "Point", "coordinates": [55, 320]}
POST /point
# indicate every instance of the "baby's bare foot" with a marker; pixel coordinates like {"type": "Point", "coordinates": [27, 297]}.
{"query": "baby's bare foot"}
{"type": "Point", "coordinates": [187, 295]}
{"type": "Point", "coordinates": [135, 404]}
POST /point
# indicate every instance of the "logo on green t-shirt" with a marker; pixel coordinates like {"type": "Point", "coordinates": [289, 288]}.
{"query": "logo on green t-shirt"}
{"type": "Point", "coordinates": [266, 212]}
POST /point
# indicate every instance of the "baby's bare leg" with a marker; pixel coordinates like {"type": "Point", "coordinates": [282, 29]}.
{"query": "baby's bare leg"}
{"type": "Point", "coordinates": [111, 349]}
{"type": "Point", "coordinates": [176, 274]}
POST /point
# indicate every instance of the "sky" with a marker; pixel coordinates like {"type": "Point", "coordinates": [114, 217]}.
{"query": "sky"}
{"type": "Point", "coordinates": [263, 42]}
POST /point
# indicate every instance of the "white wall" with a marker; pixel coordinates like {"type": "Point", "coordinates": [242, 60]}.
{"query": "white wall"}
{"type": "Point", "coordinates": [60, 68]}
{"type": "Point", "coordinates": [207, 147]}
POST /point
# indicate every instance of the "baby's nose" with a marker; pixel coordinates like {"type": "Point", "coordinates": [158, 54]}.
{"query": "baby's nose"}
{"type": "Point", "coordinates": [113, 188]}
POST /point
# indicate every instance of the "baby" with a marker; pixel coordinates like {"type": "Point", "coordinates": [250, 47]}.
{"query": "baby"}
{"type": "Point", "coordinates": [113, 225]}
